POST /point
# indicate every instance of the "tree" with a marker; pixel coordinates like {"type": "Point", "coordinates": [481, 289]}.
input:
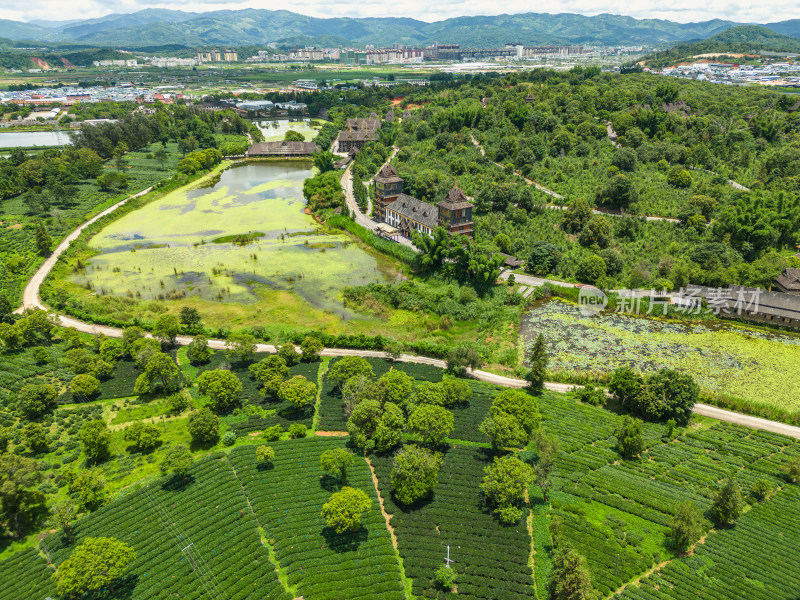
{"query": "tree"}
{"type": "Point", "coordinates": [538, 371]}
{"type": "Point", "coordinates": [546, 448]}
{"type": "Point", "coordinates": [167, 328]}
{"type": "Point", "coordinates": [728, 504]}
{"type": "Point", "coordinates": [143, 436]}
{"type": "Point", "coordinates": [203, 426]}
{"type": "Point", "coordinates": [34, 437]}
{"type": "Point", "coordinates": [792, 470]}
{"type": "Point", "coordinates": [160, 372]}
{"type": "Point", "coordinates": [630, 442]}
{"type": "Point", "coordinates": [592, 269]}
{"type": "Point", "coordinates": [35, 400]}
{"type": "Point", "coordinates": [95, 564]}
{"type": "Point", "coordinates": [198, 351]}
{"type": "Point", "coordinates": [299, 392]}
{"type": "Point", "coordinates": [177, 459]}
{"type": "Point", "coordinates": [598, 232]}
{"type": "Point", "coordinates": [294, 136]}
{"type": "Point", "coordinates": [570, 579]}
{"type": "Point", "coordinates": [84, 387]}
{"type": "Point", "coordinates": [265, 454]}
{"type": "Point", "coordinates": [241, 346]}
{"type": "Point", "coordinates": [21, 503]}
{"type": "Point", "coordinates": [310, 349]}
{"type": "Point", "coordinates": [504, 431]}
{"type": "Point", "coordinates": [576, 216]}
{"type": "Point", "coordinates": [414, 473]}
{"type": "Point", "coordinates": [456, 392]}
{"type": "Point", "coordinates": [666, 394]}
{"type": "Point", "coordinates": [624, 159]}
{"type": "Point", "coordinates": [323, 161]}
{"type": "Point", "coordinates": [289, 354]}
{"type": "Point", "coordinates": [61, 516]}
{"type": "Point", "coordinates": [161, 156]}
{"type": "Point", "coordinates": [433, 423]}
{"type": "Point", "coordinates": [523, 407]}
{"type": "Point", "coordinates": [504, 484]}
{"type": "Point", "coordinates": [178, 402]}
{"type": "Point", "coordinates": [428, 392]}
{"type": "Point", "coordinates": [376, 427]}
{"type": "Point", "coordinates": [270, 371]}
{"type": "Point", "coordinates": [348, 367]}
{"type": "Point", "coordinates": [96, 439]}
{"type": "Point", "coordinates": [543, 258]}
{"type": "Point", "coordinates": [43, 241]}
{"type": "Point", "coordinates": [223, 389]}
{"type": "Point", "coordinates": [344, 509]}
{"type": "Point", "coordinates": [445, 577]}
{"type": "Point", "coordinates": [394, 386]}
{"type": "Point", "coordinates": [190, 317]}
{"type": "Point", "coordinates": [687, 526]}
{"type": "Point", "coordinates": [88, 488]}
{"type": "Point", "coordinates": [626, 385]}
{"type": "Point", "coordinates": [463, 357]}
{"type": "Point", "coordinates": [336, 461]}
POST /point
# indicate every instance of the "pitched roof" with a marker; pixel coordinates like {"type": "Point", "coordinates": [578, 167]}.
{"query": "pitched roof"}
{"type": "Point", "coordinates": [358, 135]}
{"type": "Point", "coordinates": [284, 148]}
{"type": "Point", "coordinates": [416, 210]}
{"type": "Point", "coordinates": [789, 280]}
{"type": "Point", "coordinates": [389, 116]}
{"type": "Point", "coordinates": [388, 174]}
{"type": "Point", "coordinates": [455, 199]}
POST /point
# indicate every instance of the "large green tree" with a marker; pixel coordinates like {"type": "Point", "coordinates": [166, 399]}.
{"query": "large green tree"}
{"type": "Point", "coordinates": [95, 564]}
{"type": "Point", "coordinates": [432, 423]}
{"type": "Point", "coordinates": [223, 389]}
{"type": "Point", "coordinates": [570, 578]}
{"type": "Point", "coordinates": [505, 483]}
{"type": "Point", "coordinates": [345, 508]}
{"type": "Point", "coordinates": [96, 439]}
{"type": "Point", "coordinates": [336, 461]}
{"type": "Point", "coordinates": [414, 473]}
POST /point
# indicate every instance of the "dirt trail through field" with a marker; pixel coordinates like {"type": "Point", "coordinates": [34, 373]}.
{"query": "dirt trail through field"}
{"type": "Point", "coordinates": [386, 516]}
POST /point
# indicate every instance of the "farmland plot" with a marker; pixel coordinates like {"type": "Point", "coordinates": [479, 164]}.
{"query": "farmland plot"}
{"type": "Point", "coordinates": [288, 499]}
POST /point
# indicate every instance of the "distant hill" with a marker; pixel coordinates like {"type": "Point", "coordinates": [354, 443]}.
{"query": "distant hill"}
{"type": "Point", "coordinates": [745, 39]}
{"type": "Point", "coordinates": [156, 27]}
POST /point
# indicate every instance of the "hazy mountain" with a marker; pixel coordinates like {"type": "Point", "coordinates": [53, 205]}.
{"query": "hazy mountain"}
{"type": "Point", "coordinates": [744, 39]}
{"type": "Point", "coordinates": [154, 27]}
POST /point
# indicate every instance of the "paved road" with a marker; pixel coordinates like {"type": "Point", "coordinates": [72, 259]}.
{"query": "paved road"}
{"type": "Point", "coordinates": [30, 295]}
{"type": "Point", "coordinates": [31, 299]}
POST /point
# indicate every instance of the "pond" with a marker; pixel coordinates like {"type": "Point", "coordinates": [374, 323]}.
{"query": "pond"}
{"type": "Point", "coordinates": [28, 139]}
{"type": "Point", "coordinates": [724, 357]}
{"type": "Point", "coordinates": [227, 241]}
{"type": "Point", "coordinates": [275, 130]}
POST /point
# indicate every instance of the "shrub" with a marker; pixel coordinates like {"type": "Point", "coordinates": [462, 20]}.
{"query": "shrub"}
{"type": "Point", "coordinates": [445, 577]}
{"type": "Point", "coordinates": [273, 433]}
{"type": "Point", "coordinates": [297, 430]}
{"type": "Point", "coordinates": [229, 439]}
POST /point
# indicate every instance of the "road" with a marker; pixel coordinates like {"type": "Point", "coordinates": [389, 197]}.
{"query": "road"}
{"type": "Point", "coordinates": [31, 299]}
{"type": "Point", "coordinates": [30, 295]}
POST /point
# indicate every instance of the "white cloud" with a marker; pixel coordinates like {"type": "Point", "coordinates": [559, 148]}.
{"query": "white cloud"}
{"type": "Point", "coordinates": [677, 10]}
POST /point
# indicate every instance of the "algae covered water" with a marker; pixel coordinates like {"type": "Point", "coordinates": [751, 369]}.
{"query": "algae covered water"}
{"type": "Point", "coordinates": [226, 242]}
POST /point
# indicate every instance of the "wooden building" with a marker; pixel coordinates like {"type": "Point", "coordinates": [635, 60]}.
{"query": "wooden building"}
{"type": "Point", "coordinates": [409, 214]}
{"type": "Point", "coordinates": [388, 187]}
{"type": "Point", "coordinates": [285, 148]}
{"type": "Point", "coordinates": [788, 282]}
{"type": "Point", "coordinates": [455, 213]}
{"type": "Point", "coordinates": [359, 132]}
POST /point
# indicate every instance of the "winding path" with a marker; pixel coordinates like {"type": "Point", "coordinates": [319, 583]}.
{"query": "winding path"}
{"type": "Point", "coordinates": [31, 299]}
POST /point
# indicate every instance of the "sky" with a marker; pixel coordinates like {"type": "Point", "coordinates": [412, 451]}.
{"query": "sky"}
{"type": "Point", "coordinates": [754, 11]}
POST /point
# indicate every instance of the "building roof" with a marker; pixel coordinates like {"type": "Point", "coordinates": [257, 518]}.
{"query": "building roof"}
{"type": "Point", "coordinates": [389, 116]}
{"type": "Point", "coordinates": [371, 124]}
{"type": "Point", "coordinates": [789, 280]}
{"type": "Point", "coordinates": [388, 174]}
{"type": "Point", "coordinates": [357, 135]}
{"type": "Point", "coordinates": [285, 148]}
{"type": "Point", "coordinates": [416, 210]}
{"type": "Point", "coordinates": [455, 200]}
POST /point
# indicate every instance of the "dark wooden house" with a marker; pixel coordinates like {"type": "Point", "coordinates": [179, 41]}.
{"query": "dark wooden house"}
{"type": "Point", "coordinates": [455, 213]}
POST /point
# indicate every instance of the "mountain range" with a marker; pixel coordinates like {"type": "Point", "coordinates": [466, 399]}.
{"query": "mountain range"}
{"type": "Point", "coordinates": [154, 27]}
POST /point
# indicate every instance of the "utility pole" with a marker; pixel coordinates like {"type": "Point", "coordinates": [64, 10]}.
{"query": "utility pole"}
{"type": "Point", "coordinates": [188, 553]}
{"type": "Point", "coordinates": [447, 560]}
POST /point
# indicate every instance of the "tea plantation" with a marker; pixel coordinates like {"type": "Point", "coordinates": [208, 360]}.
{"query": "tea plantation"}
{"type": "Point", "coordinates": [241, 528]}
